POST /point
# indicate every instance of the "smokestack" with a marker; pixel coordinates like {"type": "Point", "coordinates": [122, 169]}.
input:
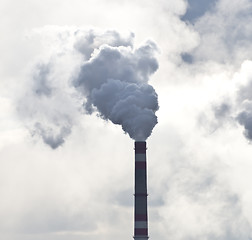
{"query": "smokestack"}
{"type": "Point", "coordinates": [140, 214]}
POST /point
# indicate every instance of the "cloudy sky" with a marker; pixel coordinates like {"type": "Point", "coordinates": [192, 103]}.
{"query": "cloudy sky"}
{"type": "Point", "coordinates": [71, 72]}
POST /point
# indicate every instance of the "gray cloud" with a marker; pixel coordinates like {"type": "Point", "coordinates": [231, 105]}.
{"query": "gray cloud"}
{"type": "Point", "coordinates": [113, 78]}
{"type": "Point", "coordinates": [231, 113]}
{"type": "Point", "coordinates": [245, 119]}
{"type": "Point", "coordinates": [124, 198]}
{"type": "Point", "coordinates": [244, 100]}
{"type": "Point", "coordinates": [199, 194]}
{"type": "Point", "coordinates": [224, 33]}
{"type": "Point", "coordinates": [238, 109]}
{"type": "Point", "coordinates": [244, 93]}
{"type": "Point", "coordinates": [54, 138]}
{"type": "Point", "coordinates": [222, 110]}
{"type": "Point", "coordinates": [87, 41]}
{"type": "Point", "coordinates": [225, 44]}
{"type": "Point", "coordinates": [40, 80]}
{"type": "Point", "coordinates": [197, 8]}
{"type": "Point", "coordinates": [218, 115]}
{"type": "Point", "coordinates": [55, 134]}
{"type": "Point", "coordinates": [45, 107]}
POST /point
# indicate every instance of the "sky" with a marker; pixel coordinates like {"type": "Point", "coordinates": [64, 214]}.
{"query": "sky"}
{"type": "Point", "coordinates": [71, 72]}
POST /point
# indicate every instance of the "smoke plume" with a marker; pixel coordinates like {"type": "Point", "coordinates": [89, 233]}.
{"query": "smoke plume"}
{"type": "Point", "coordinates": [238, 110]}
{"type": "Point", "coordinates": [110, 76]}
{"type": "Point", "coordinates": [244, 99]}
{"type": "Point", "coordinates": [114, 82]}
{"type": "Point", "coordinates": [245, 119]}
{"type": "Point", "coordinates": [46, 109]}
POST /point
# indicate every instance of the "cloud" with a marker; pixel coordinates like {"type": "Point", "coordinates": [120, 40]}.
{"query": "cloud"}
{"type": "Point", "coordinates": [54, 138]}
{"type": "Point", "coordinates": [224, 33]}
{"type": "Point", "coordinates": [41, 84]}
{"type": "Point", "coordinates": [45, 108]}
{"type": "Point", "coordinates": [245, 119]}
{"type": "Point", "coordinates": [87, 41]}
{"type": "Point", "coordinates": [48, 106]}
{"type": "Point", "coordinates": [225, 42]}
{"type": "Point", "coordinates": [244, 100]}
{"type": "Point", "coordinates": [113, 78]}
{"type": "Point", "coordinates": [222, 110]}
{"type": "Point", "coordinates": [196, 9]}
{"type": "Point", "coordinates": [237, 107]}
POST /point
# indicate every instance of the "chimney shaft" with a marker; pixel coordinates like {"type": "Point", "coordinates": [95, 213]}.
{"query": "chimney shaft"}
{"type": "Point", "coordinates": [140, 214]}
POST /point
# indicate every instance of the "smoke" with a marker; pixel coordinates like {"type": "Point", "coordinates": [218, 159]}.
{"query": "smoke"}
{"type": "Point", "coordinates": [115, 83]}
{"type": "Point", "coordinates": [41, 83]}
{"type": "Point", "coordinates": [89, 40]}
{"type": "Point", "coordinates": [46, 105]}
{"type": "Point", "coordinates": [245, 119]}
{"type": "Point", "coordinates": [244, 100]}
{"type": "Point", "coordinates": [237, 108]}
{"type": "Point", "coordinates": [221, 111]}
{"type": "Point", "coordinates": [232, 41]}
{"type": "Point", "coordinates": [232, 38]}
{"type": "Point", "coordinates": [110, 76]}
{"type": "Point", "coordinates": [50, 136]}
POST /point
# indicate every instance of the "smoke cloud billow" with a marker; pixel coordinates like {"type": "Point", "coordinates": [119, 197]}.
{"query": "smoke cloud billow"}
{"type": "Point", "coordinates": [114, 82]}
{"type": "Point", "coordinates": [238, 109]}
{"type": "Point", "coordinates": [110, 75]}
{"type": "Point", "coordinates": [54, 138]}
{"type": "Point", "coordinates": [87, 41]}
{"type": "Point", "coordinates": [46, 107]}
{"type": "Point", "coordinates": [244, 100]}
{"type": "Point", "coordinates": [245, 119]}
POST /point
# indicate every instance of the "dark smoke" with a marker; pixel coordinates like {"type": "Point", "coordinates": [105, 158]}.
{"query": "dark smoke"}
{"type": "Point", "coordinates": [244, 99]}
{"type": "Point", "coordinates": [115, 83]}
{"type": "Point", "coordinates": [245, 119]}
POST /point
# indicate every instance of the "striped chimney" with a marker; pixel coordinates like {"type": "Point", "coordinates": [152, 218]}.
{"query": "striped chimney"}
{"type": "Point", "coordinates": [140, 214]}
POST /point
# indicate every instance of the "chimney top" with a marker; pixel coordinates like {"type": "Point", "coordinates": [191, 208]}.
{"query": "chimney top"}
{"type": "Point", "coordinates": [140, 145]}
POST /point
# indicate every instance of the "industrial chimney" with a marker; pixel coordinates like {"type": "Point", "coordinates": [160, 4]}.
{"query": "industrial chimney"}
{"type": "Point", "coordinates": [140, 214]}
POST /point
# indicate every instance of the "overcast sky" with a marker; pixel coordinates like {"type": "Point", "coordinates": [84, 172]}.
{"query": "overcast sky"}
{"type": "Point", "coordinates": [66, 171]}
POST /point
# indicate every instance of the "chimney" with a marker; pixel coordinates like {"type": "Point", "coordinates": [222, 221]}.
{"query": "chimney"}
{"type": "Point", "coordinates": [140, 214]}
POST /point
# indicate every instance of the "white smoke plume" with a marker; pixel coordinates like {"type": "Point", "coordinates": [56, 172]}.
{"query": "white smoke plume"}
{"type": "Point", "coordinates": [111, 76]}
{"type": "Point", "coordinates": [46, 109]}
{"type": "Point", "coordinates": [87, 41]}
{"type": "Point", "coordinates": [244, 100]}
{"type": "Point", "coordinates": [238, 107]}
{"type": "Point", "coordinates": [115, 83]}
